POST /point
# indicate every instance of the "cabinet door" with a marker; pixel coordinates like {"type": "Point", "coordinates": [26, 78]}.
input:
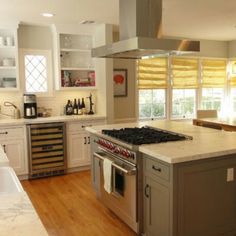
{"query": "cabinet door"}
{"type": "Point", "coordinates": [15, 152]}
{"type": "Point", "coordinates": [156, 208]}
{"type": "Point", "coordinates": [78, 150]}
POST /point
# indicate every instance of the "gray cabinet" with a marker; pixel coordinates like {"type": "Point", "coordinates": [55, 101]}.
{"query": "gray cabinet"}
{"type": "Point", "coordinates": [156, 208]}
{"type": "Point", "coordinates": [190, 199]}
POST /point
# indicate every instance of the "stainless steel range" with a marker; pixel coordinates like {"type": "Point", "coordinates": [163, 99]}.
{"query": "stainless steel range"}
{"type": "Point", "coordinates": [121, 147]}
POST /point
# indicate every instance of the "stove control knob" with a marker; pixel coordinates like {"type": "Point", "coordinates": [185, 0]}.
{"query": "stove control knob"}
{"type": "Point", "coordinates": [128, 154]}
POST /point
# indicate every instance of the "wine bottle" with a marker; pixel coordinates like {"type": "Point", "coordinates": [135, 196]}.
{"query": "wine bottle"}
{"type": "Point", "coordinates": [79, 108]}
{"type": "Point", "coordinates": [75, 108]}
{"type": "Point", "coordinates": [83, 106]}
{"type": "Point", "coordinates": [69, 108]}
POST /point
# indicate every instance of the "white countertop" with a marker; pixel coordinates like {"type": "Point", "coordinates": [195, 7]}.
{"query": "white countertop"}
{"type": "Point", "coordinates": [18, 217]}
{"type": "Point", "coordinates": [3, 157]}
{"type": "Point", "coordinates": [206, 143]}
{"type": "Point", "coordinates": [72, 118]}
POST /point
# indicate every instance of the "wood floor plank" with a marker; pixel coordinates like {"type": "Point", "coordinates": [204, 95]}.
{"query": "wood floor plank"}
{"type": "Point", "coordinates": [67, 206]}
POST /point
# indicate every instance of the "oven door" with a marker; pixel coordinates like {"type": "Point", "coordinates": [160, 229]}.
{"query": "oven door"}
{"type": "Point", "coordinates": [123, 198]}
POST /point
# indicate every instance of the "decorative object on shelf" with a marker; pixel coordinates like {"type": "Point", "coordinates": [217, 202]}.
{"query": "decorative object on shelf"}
{"type": "Point", "coordinates": [120, 82]}
{"type": "Point", "coordinates": [90, 105]}
{"type": "Point", "coordinates": [2, 41]}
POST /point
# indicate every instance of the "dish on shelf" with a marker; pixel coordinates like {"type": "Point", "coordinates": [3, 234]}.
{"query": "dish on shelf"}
{"type": "Point", "coordinates": [9, 82]}
{"type": "Point", "coordinates": [8, 62]}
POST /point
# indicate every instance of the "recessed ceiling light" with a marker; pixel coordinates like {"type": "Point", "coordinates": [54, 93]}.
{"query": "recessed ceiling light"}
{"type": "Point", "coordinates": [47, 14]}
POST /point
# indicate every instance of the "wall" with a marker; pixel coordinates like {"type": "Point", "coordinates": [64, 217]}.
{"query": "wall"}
{"type": "Point", "coordinates": [125, 107]}
{"type": "Point", "coordinates": [210, 48]}
{"type": "Point", "coordinates": [232, 49]}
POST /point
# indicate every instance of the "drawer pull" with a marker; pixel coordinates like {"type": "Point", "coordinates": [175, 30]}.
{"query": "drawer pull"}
{"type": "Point", "coordinates": [88, 140]}
{"type": "Point", "coordinates": [146, 191]}
{"type": "Point", "coordinates": [85, 140]}
{"type": "Point", "coordinates": [4, 132]}
{"type": "Point", "coordinates": [84, 126]}
{"type": "Point", "coordinates": [156, 169]}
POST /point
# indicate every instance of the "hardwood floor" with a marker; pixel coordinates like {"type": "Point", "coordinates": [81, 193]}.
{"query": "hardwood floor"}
{"type": "Point", "coordinates": [67, 206]}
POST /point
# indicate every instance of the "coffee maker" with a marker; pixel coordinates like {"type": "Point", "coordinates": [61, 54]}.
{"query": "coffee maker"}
{"type": "Point", "coordinates": [30, 106]}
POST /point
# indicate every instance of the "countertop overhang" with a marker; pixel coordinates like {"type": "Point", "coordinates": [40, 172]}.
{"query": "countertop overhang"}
{"type": "Point", "coordinates": [71, 118]}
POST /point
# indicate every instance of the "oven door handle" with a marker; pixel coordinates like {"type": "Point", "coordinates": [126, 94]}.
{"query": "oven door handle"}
{"type": "Point", "coordinates": [127, 172]}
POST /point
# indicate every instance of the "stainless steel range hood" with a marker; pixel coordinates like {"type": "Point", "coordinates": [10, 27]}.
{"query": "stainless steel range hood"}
{"type": "Point", "coordinates": [141, 33]}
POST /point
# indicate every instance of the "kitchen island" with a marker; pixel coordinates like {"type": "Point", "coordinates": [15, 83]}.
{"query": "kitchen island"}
{"type": "Point", "coordinates": [188, 187]}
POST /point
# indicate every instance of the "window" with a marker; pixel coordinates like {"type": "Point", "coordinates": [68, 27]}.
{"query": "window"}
{"type": "Point", "coordinates": [183, 103]}
{"type": "Point", "coordinates": [36, 71]}
{"type": "Point", "coordinates": [184, 83]}
{"type": "Point", "coordinates": [213, 83]}
{"type": "Point", "coordinates": [152, 103]}
{"type": "Point", "coordinates": [233, 100]}
{"type": "Point", "coordinates": [152, 84]}
{"type": "Point", "coordinates": [212, 98]}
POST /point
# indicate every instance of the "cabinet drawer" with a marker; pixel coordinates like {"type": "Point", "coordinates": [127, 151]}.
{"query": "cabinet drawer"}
{"type": "Point", "coordinates": [80, 126]}
{"type": "Point", "coordinates": [157, 168]}
{"type": "Point", "coordinates": [6, 133]}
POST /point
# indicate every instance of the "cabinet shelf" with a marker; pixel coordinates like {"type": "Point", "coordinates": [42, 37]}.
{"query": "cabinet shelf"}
{"type": "Point", "coordinates": [78, 68]}
{"type": "Point", "coordinates": [7, 67]}
{"type": "Point", "coordinates": [75, 50]}
{"type": "Point", "coordinates": [7, 47]}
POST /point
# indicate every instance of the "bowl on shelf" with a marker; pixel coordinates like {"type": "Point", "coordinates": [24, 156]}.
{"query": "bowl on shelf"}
{"type": "Point", "coordinates": [9, 82]}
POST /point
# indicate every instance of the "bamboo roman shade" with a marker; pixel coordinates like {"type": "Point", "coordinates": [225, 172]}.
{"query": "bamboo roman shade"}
{"type": "Point", "coordinates": [214, 73]}
{"type": "Point", "coordinates": [152, 73]}
{"type": "Point", "coordinates": [233, 74]}
{"type": "Point", "coordinates": [184, 73]}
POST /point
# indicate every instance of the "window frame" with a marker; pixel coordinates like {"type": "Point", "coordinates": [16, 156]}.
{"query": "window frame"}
{"type": "Point", "coordinates": [48, 56]}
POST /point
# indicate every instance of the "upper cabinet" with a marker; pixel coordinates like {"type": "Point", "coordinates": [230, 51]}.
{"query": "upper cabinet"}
{"type": "Point", "coordinates": [75, 68]}
{"type": "Point", "coordinates": [9, 79]}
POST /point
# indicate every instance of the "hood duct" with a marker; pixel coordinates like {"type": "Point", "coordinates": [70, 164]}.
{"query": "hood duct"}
{"type": "Point", "coordinates": [140, 34]}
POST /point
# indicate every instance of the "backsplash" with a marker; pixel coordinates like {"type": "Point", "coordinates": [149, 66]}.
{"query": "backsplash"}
{"type": "Point", "coordinates": [56, 102]}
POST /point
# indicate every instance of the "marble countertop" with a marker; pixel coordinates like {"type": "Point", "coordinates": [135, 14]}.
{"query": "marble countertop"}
{"type": "Point", "coordinates": [72, 118]}
{"type": "Point", "coordinates": [18, 216]}
{"type": "Point", "coordinates": [206, 143]}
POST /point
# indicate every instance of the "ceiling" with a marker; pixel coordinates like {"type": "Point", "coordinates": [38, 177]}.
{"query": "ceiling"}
{"type": "Point", "coordinates": [201, 19]}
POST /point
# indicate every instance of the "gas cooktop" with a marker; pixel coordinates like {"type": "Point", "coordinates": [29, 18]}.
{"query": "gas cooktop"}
{"type": "Point", "coordinates": [144, 135]}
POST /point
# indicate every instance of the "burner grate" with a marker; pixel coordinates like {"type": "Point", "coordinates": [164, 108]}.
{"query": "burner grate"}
{"type": "Point", "coordinates": [143, 135]}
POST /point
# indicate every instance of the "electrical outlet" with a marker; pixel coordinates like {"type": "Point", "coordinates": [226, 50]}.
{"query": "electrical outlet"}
{"type": "Point", "coordinates": [230, 174]}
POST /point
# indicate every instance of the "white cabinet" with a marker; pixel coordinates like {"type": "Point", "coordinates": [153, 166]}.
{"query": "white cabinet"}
{"type": "Point", "coordinates": [13, 140]}
{"type": "Point", "coordinates": [78, 143]}
{"type": "Point", "coordinates": [78, 150]}
{"type": "Point", "coordinates": [9, 79]}
{"type": "Point", "coordinates": [74, 64]}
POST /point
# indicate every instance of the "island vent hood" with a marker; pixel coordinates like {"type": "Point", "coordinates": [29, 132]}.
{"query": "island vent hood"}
{"type": "Point", "coordinates": [140, 34]}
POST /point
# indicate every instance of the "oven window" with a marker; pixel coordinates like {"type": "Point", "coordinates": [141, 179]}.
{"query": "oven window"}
{"type": "Point", "coordinates": [119, 182]}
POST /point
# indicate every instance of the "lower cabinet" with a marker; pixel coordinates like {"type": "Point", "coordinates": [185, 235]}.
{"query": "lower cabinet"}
{"type": "Point", "coordinates": [13, 141]}
{"type": "Point", "coordinates": [14, 150]}
{"type": "Point", "coordinates": [78, 149]}
{"type": "Point", "coordinates": [156, 208]}
{"type": "Point", "coordinates": [78, 143]}
{"type": "Point", "coordinates": [191, 198]}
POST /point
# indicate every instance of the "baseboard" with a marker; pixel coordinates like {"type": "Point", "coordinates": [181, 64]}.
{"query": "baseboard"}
{"type": "Point", "coordinates": [77, 169]}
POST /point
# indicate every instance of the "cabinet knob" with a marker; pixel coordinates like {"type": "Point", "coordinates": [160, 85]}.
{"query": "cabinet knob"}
{"type": "Point", "coordinates": [156, 168]}
{"type": "Point", "coordinates": [88, 140]}
{"type": "Point", "coordinates": [85, 140]}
